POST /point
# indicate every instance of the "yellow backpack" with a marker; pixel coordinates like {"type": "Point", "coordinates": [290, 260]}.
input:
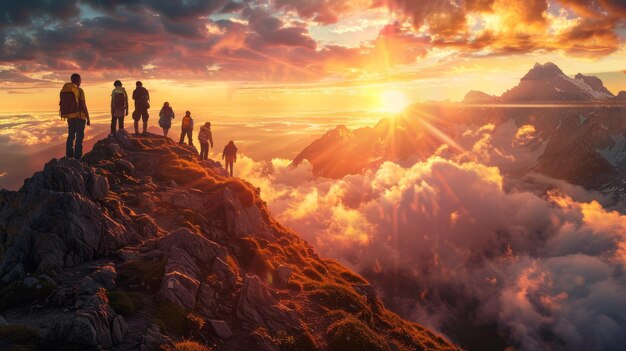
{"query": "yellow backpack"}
{"type": "Point", "coordinates": [69, 104]}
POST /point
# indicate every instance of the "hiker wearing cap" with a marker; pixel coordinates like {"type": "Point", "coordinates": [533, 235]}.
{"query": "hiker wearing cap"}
{"type": "Point", "coordinates": [205, 137]}
{"type": "Point", "coordinates": [119, 106]}
{"type": "Point", "coordinates": [186, 128]}
{"type": "Point", "coordinates": [73, 108]}
{"type": "Point", "coordinates": [142, 104]}
{"type": "Point", "coordinates": [165, 117]}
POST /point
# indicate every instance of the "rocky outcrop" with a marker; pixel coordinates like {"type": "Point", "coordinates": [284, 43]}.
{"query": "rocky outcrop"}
{"type": "Point", "coordinates": [94, 325]}
{"type": "Point", "coordinates": [258, 308]}
{"type": "Point", "coordinates": [63, 216]}
{"type": "Point", "coordinates": [141, 245]}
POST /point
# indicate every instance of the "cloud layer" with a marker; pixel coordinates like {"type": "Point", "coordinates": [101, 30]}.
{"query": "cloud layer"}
{"type": "Point", "coordinates": [452, 245]}
{"type": "Point", "coordinates": [271, 40]}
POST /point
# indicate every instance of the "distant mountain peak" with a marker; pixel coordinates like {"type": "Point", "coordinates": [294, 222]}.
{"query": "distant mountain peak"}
{"type": "Point", "coordinates": [547, 82]}
{"type": "Point", "coordinates": [594, 82]}
{"type": "Point", "coordinates": [545, 71]}
{"type": "Point", "coordinates": [477, 96]}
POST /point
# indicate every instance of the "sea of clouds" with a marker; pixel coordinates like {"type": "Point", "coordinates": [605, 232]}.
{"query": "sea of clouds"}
{"type": "Point", "coordinates": [456, 245]}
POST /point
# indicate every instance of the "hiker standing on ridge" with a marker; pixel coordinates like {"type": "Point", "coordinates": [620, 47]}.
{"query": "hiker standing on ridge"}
{"type": "Point", "coordinates": [166, 115]}
{"type": "Point", "coordinates": [186, 128]}
{"type": "Point", "coordinates": [142, 104]}
{"type": "Point", "coordinates": [119, 106]}
{"type": "Point", "coordinates": [230, 154]}
{"type": "Point", "coordinates": [204, 137]}
{"type": "Point", "coordinates": [72, 107]}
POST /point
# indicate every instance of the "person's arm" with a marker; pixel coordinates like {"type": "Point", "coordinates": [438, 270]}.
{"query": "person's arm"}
{"type": "Point", "coordinates": [83, 107]}
{"type": "Point", "coordinates": [148, 94]}
{"type": "Point", "coordinates": [112, 102]}
{"type": "Point", "coordinates": [211, 138]}
{"type": "Point", "coordinates": [126, 109]}
{"type": "Point", "coordinates": [224, 152]}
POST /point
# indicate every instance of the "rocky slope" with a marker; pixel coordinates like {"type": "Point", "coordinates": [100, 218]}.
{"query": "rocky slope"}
{"type": "Point", "coordinates": [141, 246]}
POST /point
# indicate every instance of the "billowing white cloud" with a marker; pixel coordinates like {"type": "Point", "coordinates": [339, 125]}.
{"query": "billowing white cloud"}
{"type": "Point", "coordinates": [542, 268]}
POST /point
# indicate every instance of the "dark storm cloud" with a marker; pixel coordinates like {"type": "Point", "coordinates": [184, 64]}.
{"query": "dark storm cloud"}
{"type": "Point", "coordinates": [24, 12]}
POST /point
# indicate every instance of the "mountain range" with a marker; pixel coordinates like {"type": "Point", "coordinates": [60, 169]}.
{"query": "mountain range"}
{"type": "Point", "coordinates": [573, 129]}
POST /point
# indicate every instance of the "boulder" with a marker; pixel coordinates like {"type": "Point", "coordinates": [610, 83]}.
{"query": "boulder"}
{"type": "Point", "coordinates": [105, 276]}
{"type": "Point", "coordinates": [241, 221]}
{"type": "Point", "coordinates": [179, 289]}
{"type": "Point", "coordinates": [88, 286]}
{"type": "Point", "coordinates": [201, 249]}
{"type": "Point", "coordinates": [224, 273]}
{"type": "Point", "coordinates": [189, 255]}
{"type": "Point", "coordinates": [221, 328]}
{"type": "Point", "coordinates": [154, 340]}
{"type": "Point", "coordinates": [89, 327]}
{"type": "Point", "coordinates": [124, 166]}
{"type": "Point", "coordinates": [258, 308]}
{"type": "Point", "coordinates": [118, 329]}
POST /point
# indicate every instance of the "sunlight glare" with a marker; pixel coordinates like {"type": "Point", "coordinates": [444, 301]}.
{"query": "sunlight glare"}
{"type": "Point", "coordinates": [393, 101]}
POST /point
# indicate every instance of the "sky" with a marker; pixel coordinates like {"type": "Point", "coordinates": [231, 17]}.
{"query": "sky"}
{"type": "Point", "coordinates": [243, 57]}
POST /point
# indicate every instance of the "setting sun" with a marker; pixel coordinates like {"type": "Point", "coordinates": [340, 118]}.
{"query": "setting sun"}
{"type": "Point", "coordinates": [393, 101]}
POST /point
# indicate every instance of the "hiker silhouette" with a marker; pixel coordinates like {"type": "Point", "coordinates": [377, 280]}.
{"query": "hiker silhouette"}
{"type": "Point", "coordinates": [166, 115]}
{"type": "Point", "coordinates": [230, 156]}
{"type": "Point", "coordinates": [186, 128]}
{"type": "Point", "coordinates": [142, 104]}
{"type": "Point", "coordinates": [205, 137]}
{"type": "Point", "coordinates": [73, 108]}
{"type": "Point", "coordinates": [119, 106]}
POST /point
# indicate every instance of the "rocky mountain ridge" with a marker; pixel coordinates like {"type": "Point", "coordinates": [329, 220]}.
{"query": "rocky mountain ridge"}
{"type": "Point", "coordinates": [142, 247]}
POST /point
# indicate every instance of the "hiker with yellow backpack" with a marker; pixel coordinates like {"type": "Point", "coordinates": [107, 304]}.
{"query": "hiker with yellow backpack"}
{"type": "Point", "coordinates": [72, 107]}
{"type": "Point", "coordinates": [119, 106]}
{"type": "Point", "coordinates": [186, 128]}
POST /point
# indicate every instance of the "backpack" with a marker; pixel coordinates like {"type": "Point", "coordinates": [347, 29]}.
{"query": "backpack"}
{"type": "Point", "coordinates": [186, 122]}
{"type": "Point", "coordinates": [69, 102]}
{"type": "Point", "coordinates": [119, 99]}
{"type": "Point", "coordinates": [142, 99]}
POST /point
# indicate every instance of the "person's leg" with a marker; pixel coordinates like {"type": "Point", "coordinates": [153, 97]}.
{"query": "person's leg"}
{"type": "Point", "coordinates": [189, 138]}
{"type": "Point", "coordinates": [144, 118]}
{"type": "Point", "coordinates": [121, 122]}
{"type": "Point", "coordinates": [113, 121]}
{"type": "Point", "coordinates": [136, 127]}
{"type": "Point", "coordinates": [80, 134]}
{"type": "Point", "coordinates": [230, 164]}
{"type": "Point", "coordinates": [71, 134]}
{"type": "Point", "coordinates": [182, 137]}
{"type": "Point", "coordinates": [165, 131]}
{"type": "Point", "coordinates": [204, 151]}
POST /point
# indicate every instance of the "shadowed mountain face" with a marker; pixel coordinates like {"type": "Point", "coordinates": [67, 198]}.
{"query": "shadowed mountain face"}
{"type": "Point", "coordinates": [584, 145]}
{"type": "Point", "coordinates": [141, 245]}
